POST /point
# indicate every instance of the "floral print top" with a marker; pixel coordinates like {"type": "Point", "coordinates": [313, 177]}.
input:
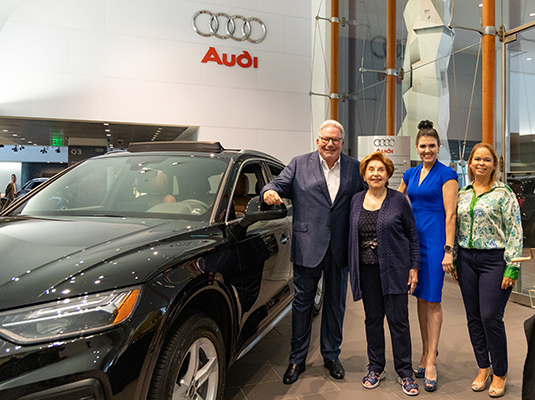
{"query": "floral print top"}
{"type": "Point", "coordinates": [490, 221]}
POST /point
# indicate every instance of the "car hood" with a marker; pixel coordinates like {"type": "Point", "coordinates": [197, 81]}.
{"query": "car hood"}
{"type": "Point", "coordinates": [47, 259]}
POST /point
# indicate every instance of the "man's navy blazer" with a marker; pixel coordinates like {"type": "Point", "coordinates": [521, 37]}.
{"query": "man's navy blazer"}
{"type": "Point", "coordinates": [317, 222]}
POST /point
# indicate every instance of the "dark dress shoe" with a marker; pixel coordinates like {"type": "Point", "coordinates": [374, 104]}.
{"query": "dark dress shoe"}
{"type": "Point", "coordinates": [292, 373]}
{"type": "Point", "coordinates": [335, 368]}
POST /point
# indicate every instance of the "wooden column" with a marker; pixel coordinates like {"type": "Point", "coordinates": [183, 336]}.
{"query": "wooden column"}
{"type": "Point", "coordinates": [334, 57]}
{"type": "Point", "coordinates": [391, 48]}
{"type": "Point", "coordinates": [489, 72]}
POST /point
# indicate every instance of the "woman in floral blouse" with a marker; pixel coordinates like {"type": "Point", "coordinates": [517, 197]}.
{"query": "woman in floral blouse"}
{"type": "Point", "coordinates": [488, 236]}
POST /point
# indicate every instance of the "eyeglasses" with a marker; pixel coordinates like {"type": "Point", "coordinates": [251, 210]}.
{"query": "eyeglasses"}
{"type": "Point", "coordinates": [326, 140]}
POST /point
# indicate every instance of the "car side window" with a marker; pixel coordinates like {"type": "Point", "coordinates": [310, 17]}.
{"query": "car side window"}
{"type": "Point", "coordinates": [248, 185]}
{"type": "Point", "coordinates": [275, 171]}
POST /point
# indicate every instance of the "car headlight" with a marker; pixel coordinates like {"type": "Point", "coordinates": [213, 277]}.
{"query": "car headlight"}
{"type": "Point", "coordinates": [68, 317]}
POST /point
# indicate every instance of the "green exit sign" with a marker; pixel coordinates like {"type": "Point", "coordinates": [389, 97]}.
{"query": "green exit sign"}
{"type": "Point", "coordinates": [56, 141]}
{"type": "Point", "coordinates": [57, 138]}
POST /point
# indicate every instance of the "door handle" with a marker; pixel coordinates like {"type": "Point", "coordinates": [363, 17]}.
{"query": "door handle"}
{"type": "Point", "coordinates": [284, 238]}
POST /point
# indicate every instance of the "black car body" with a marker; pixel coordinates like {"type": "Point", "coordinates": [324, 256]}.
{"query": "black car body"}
{"type": "Point", "coordinates": [31, 184]}
{"type": "Point", "coordinates": [524, 188]}
{"type": "Point", "coordinates": [141, 274]}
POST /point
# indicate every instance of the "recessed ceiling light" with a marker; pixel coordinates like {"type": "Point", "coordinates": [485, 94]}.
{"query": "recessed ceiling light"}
{"type": "Point", "coordinates": [106, 130]}
{"type": "Point", "coordinates": [528, 59]}
{"type": "Point", "coordinates": [5, 130]}
{"type": "Point", "coordinates": [15, 134]}
{"type": "Point", "coordinates": [106, 124]}
{"type": "Point", "coordinates": [108, 134]}
{"type": "Point", "coordinates": [532, 14]}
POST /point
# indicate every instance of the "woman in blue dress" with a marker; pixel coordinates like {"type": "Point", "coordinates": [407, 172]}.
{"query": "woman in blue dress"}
{"type": "Point", "coordinates": [432, 188]}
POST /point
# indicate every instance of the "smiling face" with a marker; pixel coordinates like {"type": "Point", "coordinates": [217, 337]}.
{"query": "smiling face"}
{"type": "Point", "coordinates": [482, 165]}
{"type": "Point", "coordinates": [427, 148]}
{"type": "Point", "coordinates": [330, 144]}
{"type": "Point", "coordinates": [376, 174]}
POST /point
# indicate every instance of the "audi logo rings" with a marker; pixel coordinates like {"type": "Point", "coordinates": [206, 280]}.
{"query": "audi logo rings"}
{"type": "Point", "coordinates": [384, 142]}
{"type": "Point", "coordinates": [215, 26]}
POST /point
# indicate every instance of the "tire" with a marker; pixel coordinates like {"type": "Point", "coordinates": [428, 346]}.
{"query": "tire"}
{"type": "Point", "coordinates": [192, 362]}
{"type": "Point", "coordinates": [320, 293]}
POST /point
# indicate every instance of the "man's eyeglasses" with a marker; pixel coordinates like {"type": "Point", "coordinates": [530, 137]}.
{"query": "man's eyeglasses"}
{"type": "Point", "coordinates": [326, 140]}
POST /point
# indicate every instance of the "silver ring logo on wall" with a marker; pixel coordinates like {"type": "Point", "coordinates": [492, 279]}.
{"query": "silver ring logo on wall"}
{"type": "Point", "coordinates": [384, 142]}
{"type": "Point", "coordinates": [223, 30]}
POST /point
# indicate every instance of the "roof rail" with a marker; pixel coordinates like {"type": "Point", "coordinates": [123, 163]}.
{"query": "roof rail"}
{"type": "Point", "coordinates": [205, 147]}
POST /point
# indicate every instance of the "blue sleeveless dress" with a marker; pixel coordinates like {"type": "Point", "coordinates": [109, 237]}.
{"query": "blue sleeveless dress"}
{"type": "Point", "coordinates": [428, 207]}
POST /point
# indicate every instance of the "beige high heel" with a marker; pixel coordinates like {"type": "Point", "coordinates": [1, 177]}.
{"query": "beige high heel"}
{"type": "Point", "coordinates": [479, 386]}
{"type": "Point", "coordinates": [498, 392]}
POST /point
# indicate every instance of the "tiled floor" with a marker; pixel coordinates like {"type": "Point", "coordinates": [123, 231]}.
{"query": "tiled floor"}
{"type": "Point", "coordinates": [257, 376]}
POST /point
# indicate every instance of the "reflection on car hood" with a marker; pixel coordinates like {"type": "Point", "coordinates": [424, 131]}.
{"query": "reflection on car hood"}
{"type": "Point", "coordinates": [45, 259]}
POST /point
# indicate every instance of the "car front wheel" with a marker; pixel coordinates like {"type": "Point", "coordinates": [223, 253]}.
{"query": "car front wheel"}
{"type": "Point", "coordinates": [192, 362]}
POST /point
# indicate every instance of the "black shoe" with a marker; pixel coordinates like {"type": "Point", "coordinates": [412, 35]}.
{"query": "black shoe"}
{"type": "Point", "coordinates": [336, 369]}
{"type": "Point", "coordinates": [292, 373]}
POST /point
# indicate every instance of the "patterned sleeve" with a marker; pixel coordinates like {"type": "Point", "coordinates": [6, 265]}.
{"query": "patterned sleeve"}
{"type": "Point", "coordinates": [513, 234]}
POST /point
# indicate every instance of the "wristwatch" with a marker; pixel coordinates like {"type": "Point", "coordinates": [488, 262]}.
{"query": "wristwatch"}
{"type": "Point", "coordinates": [448, 248]}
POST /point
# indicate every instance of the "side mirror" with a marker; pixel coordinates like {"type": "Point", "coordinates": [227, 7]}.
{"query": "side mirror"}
{"type": "Point", "coordinates": [257, 210]}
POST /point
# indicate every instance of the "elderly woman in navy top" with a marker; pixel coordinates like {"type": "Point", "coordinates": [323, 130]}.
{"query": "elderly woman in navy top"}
{"type": "Point", "coordinates": [488, 237]}
{"type": "Point", "coordinates": [384, 258]}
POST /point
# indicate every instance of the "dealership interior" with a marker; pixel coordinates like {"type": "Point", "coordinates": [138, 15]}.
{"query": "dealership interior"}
{"type": "Point", "coordinates": [72, 103]}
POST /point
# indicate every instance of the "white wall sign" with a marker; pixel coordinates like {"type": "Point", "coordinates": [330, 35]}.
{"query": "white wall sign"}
{"type": "Point", "coordinates": [397, 148]}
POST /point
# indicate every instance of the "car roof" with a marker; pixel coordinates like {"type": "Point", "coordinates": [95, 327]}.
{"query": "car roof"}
{"type": "Point", "coordinates": [207, 149]}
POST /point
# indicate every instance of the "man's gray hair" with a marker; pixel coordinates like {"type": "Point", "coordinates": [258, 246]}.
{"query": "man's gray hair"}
{"type": "Point", "coordinates": [336, 124]}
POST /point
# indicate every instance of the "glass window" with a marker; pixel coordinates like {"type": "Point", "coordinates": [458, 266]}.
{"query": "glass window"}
{"type": "Point", "coordinates": [520, 129]}
{"type": "Point", "coordinates": [133, 186]}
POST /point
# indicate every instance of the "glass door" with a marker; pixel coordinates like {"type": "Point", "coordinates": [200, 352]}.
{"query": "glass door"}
{"type": "Point", "coordinates": [519, 135]}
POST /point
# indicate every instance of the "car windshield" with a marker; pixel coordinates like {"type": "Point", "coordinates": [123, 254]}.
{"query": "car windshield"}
{"type": "Point", "coordinates": [133, 185]}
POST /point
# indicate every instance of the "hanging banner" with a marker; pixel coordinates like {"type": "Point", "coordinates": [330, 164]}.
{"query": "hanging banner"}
{"type": "Point", "coordinates": [396, 148]}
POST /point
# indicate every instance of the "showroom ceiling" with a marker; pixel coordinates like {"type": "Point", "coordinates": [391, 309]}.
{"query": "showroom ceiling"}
{"type": "Point", "coordinates": [26, 132]}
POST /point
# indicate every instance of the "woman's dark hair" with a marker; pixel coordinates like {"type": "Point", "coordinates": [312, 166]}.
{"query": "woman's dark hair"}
{"type": "Point", "coordinates": [425, 128]}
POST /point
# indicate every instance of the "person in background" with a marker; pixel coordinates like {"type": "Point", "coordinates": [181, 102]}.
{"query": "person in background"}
{"type": "Point", "coordinates": [320, 185]}
{"type": "Point", "coordinates": [384, 257]}
{"type": "Point", "coordinates": [11, 191]}
{"type": "Point", "coordinates": [488, 236]}
{"type": "Point", "coordinates": [432, 189]}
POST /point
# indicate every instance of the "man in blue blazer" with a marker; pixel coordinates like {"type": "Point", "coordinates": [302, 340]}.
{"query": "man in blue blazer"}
{"type": "Point", "coordinates": [320, 185]}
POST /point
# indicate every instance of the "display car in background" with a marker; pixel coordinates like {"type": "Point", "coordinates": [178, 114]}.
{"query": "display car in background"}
{"type": "Point", "coordinates": [141, 274]}
{"type": "Point", "coordinates": [524, 188]}
{"type": "Point", "coordinates": [31, 184]}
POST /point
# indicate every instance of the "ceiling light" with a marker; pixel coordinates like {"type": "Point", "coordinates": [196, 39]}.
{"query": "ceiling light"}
{"type": "Point", "coordinates": [15, 134]}
{"type": "Point", "coordinates": [532, 14]}
{"type": "Point", "coordinates": [105, 124]}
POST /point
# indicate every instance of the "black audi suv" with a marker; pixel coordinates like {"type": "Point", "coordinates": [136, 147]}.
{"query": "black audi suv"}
{"type": "Point", "coordinates": [141, 274]}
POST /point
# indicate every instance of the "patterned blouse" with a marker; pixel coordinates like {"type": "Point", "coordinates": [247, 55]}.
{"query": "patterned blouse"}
{"type": "Point", "coordinates": [490, 221]}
